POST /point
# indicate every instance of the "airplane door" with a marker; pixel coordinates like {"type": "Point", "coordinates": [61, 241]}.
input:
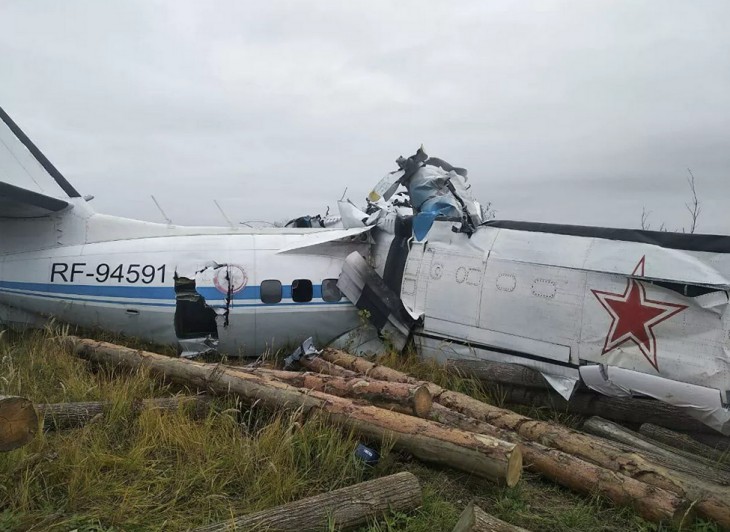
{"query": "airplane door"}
{"type": "Point", "coordinates": [454, 286]}
{"type": "Point", "coordinates": [415, 277]}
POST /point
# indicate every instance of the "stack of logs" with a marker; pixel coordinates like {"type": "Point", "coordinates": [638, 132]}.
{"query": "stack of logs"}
{"type": "Point", "coordinates": [455, 430]}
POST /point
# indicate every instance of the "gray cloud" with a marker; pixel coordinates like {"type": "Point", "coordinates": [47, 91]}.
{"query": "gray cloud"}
{"type": "Point", "coordinates": [576, 112]}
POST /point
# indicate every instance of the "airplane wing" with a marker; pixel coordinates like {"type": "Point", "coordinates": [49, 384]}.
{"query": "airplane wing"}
{"type": "Point", "coordinates": [317, 238]}
{"type": "Point", "coordinates": [16, 202]}
{"type": "Point", "coordinates": [30, 185]}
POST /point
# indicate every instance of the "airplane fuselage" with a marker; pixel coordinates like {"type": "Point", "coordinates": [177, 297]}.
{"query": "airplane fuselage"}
{"type": "Point", "coordinates": [241, 288]}
{"type": "Point", "coordinates": [625, 312]}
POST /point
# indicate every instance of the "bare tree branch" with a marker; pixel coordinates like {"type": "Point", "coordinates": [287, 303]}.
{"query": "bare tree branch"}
{"type": "Point", "coordinates": [645, 219]}
{"type": "Point", "coordinates": [694, 205]}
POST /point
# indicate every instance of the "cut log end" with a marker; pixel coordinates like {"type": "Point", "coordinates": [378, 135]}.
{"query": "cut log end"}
{"type": "Point", "coordinates": [474, 519]}
{"type": "Point", "coordinates": [422, 402]}
{"type": "Point", "coordinates": [18, 422]}
{"type": "Point", "coordinates": [514, 467]}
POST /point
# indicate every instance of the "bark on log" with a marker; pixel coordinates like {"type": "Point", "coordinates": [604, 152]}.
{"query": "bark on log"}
{"type": "Point", "coordinates": [414, 396]}
{"type": "Point", "coordinates": [487, 457]}
{"type": "Point", "coordinates": [474, 519]}
{"type": "Point", "coordinates": [341, 509]}
{"type": "Point", "coordinates": [528, 387]}
{"type": "Point", "coordinates": [57, 416]}
{"type": "Point", "coordinates": [712, 501]}
{"type": "Point", "coordinates": [652, 503]}
{"type": "Point", "coordinates": [686, 446]}
{"type": "Point", "coordinates": [18, 422]}
{"type": "Point", "coordinates": [664, 455]}
{"type": "Point", "coordinates": [716, 441]}
{"type": "Point", "coordinates": [492, 373]}
{"type": "Point", "coordinates": [635, 410]}
{"type": "Point", "coordinates": [320, 365]}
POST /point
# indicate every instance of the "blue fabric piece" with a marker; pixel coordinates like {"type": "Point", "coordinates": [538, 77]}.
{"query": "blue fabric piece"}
{"type": "Point", "coordinates": [423, 221]}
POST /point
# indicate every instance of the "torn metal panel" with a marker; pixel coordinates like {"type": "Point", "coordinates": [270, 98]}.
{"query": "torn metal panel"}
{"type": "Point", "coordinates": [366, 289]}
{"type": "Point", "coordinates": [306, 349]}
{"type": "Point", "coordinates": [416, 275]}
{"type": "Point", "coordinates": [195, 347]}
{"type": "Point", "coordinates": [596, 378]}
{"type": "Point", "coordinates": [716, 302]}
{"type": "Point", "coordinates": [351, 216]}
{"type": "Point", "coordinates": [364, 340]}
{"type": "Point", "coordinates": [386, 187]}
{"type": "Point", "coordinates": [322, 237]}
{"type": "Point", "coordinates": [306, 221]}
{"type": "Point", "coordinates": [398, 251]}
{"type": "Point", "coordinates": [708, 405]}
{"type": "Point", "coordinates": [565, 386]}
{"type": "Point", "coordinates": [438, 190]}
{"type": "Point", "coordinates": [196, 326]}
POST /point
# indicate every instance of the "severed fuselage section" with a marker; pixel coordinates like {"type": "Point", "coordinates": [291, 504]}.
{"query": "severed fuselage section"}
{"type": "Point", "coordinates": [626, 312]}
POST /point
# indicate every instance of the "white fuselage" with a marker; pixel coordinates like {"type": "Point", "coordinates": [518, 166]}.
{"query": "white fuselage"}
{"type": "Point", "coordinates": [120, 275]}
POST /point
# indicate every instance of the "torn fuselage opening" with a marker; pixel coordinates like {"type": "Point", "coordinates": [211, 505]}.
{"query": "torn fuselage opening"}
{"type": "Point", "coordinates": [195, 321]}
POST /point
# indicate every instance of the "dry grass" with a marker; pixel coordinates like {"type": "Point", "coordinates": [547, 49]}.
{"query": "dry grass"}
{"type": "Point", "coordinates": [169, 471]}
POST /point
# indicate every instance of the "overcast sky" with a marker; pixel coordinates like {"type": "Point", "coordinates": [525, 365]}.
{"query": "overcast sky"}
{"type": "Point", "coordinates": [571, 112]}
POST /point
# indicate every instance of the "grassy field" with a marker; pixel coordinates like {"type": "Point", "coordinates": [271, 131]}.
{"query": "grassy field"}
{"type": "Point", "coordinates": [167, 471]}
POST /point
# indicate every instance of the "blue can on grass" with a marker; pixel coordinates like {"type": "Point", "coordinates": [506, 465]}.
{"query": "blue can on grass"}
{"type": "Point", "coordinates": [367, 455]}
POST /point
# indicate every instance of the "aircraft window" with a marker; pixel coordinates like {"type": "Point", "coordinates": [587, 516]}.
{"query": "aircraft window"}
{"type": "Point", "coordinates": [270, 291]}
{"type": "Point", "coordinates": [330, 292]}
{"type": "Point", "coordinates": [301, 290]}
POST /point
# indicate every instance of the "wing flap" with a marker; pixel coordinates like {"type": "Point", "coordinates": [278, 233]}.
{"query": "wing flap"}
{"type": "Point", "coordinates": [16, 202]}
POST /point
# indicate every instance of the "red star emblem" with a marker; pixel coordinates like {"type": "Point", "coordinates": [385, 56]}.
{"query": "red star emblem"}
{"type": "Point", "coordinates": [634, 316]}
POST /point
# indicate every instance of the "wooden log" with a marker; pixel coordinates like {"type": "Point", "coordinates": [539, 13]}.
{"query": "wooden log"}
{"type": "Point", "coordinates": [686, 445]}
{"type": "Point", "coordinates": [414, 396]}
{"type": "Point", "coordinates": [501, 373]}
{"type": "Point", "coordinates": [57, 416]}
{"type": "Point", "coordinates": [633, 410]}
{"type": "Point", "coordinates": [712, 501]}
{"type": "Point", "coordinates": [18, 422]}
{"type": "Point", "coordinates": [656, 450]}
{"type": "Point", "coordinates": [483, 456]}
{"type": "Point", "coordinates": [716, 441]}
{"type": "Point", "coordinates": [363, 366]}
{"type": "Point", "coordinates": [474, 519]}
{"type": "Point", "coordinates": [652, 503]}
{"type": "Point", "coordinates": [339, 509]}
{"type": "Point", "coordinates": [527, 386]}
{"type": "Point", "coordinates": [320, 365]}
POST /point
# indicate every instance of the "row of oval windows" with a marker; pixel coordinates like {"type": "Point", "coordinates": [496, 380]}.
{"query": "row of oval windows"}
{"type": "Point", "coordinates": [302, 291]}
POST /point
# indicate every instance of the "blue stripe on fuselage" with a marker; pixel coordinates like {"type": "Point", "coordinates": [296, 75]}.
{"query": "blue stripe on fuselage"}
{"type": "Point", "coordinates": [153, 295]}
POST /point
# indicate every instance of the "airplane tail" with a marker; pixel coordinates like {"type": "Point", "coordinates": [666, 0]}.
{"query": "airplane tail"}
{"type": "Point", "coordinates": [30, 186]}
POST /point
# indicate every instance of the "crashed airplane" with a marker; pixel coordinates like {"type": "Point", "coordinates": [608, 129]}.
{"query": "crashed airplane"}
{"type": "Point", "coordinates": [626, 312]}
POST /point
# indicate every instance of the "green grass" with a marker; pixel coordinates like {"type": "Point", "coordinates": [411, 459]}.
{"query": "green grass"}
{"type": "Point", "coordinates": [169, 471]}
